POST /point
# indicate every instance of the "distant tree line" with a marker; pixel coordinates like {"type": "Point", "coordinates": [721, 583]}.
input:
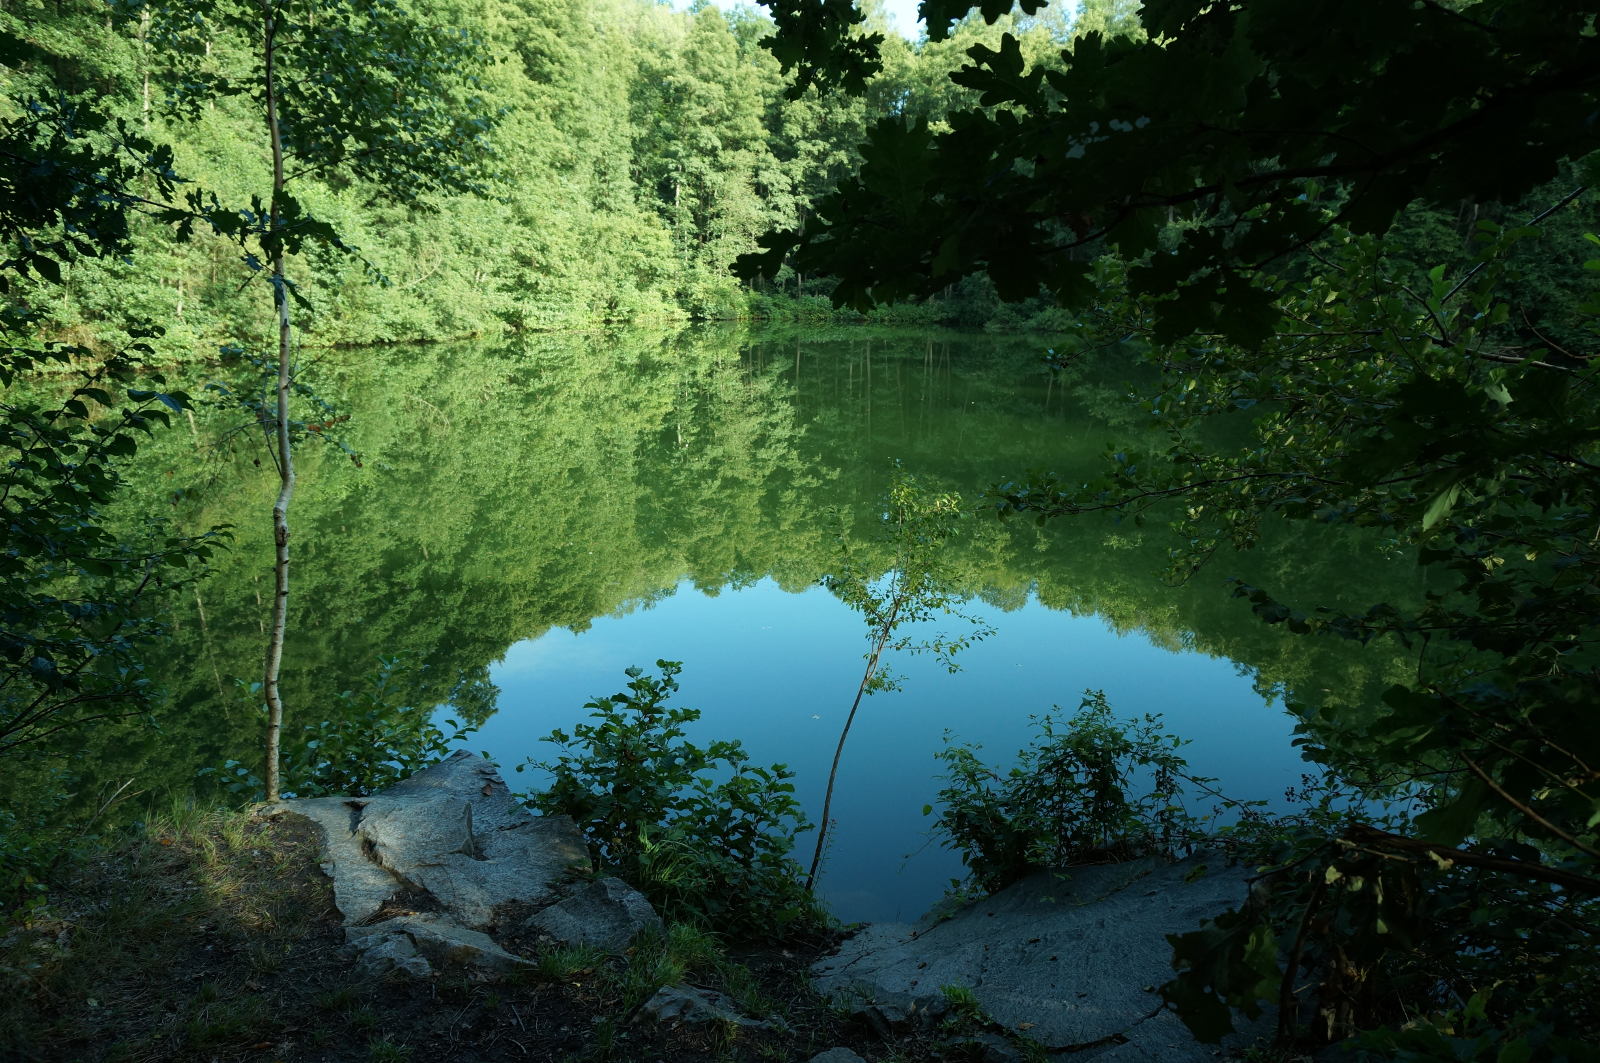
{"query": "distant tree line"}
{"type": "Point", "coordinates": [637, 151]}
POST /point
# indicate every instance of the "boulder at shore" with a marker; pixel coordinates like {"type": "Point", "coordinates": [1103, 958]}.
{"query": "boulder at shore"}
{"type": "Point", "coordinates": [423, 871]}
{"type": "Point", "coordinates": [1070, 960]}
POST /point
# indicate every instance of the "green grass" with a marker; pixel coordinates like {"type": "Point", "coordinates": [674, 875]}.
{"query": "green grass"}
{"type": "Point", "coordinates": [569, 962]}
{"type": "Point", "coordinates": [383, 1050]}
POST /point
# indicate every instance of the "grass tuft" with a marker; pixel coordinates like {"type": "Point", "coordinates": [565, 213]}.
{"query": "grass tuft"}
{"type": "Point", "coordinates": [383, 1050]}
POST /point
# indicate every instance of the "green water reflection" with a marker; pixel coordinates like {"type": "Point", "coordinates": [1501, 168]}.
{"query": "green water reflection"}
{"type": "Point", "coordinates": [530, 517]}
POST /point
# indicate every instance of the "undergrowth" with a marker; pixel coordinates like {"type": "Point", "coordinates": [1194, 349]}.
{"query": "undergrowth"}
{"type": "Point", "coordinates": [1088, 789]}
{"type": "Point", "coordinates": [200, 935]}
{"type": "Point", "coordinates": [701, 831]}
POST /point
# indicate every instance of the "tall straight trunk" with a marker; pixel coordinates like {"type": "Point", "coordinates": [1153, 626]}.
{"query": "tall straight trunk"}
{"type": "Point", "coordinates": [285, 453]}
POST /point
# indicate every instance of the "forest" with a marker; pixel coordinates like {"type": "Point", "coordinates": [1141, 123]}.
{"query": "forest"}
{"type": "Point", "coordinates": [630, 153]}
{"type": "Point", "coordinates": [1332, 266]}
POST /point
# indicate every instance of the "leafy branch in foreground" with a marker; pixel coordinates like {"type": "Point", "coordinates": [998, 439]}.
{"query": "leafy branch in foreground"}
{"type": "Point", "coordinates": [77, 604]}
{"type": "Point", "coordinates": [1419, 411]}
{"type": "Point", "coordinates": [1390, 103]}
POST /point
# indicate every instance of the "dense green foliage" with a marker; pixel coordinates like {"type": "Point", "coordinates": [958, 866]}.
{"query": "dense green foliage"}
{"type": "Point", "coordinates": [625, 155]}
{"type": "Point", "coordinates": [702, 831]}
{"type": "Point", "coordinates": [1353, 235]}
{"type": "Point", "coordinates": [77, 600]}
{"type": "Point", "coordinates": [1090, 788]}
{"type": "Point", "coordinates": [1106, 146]}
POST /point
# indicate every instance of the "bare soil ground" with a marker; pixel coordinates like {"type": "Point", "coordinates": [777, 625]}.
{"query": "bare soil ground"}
{"type": "Point", "coordinates": [215, 939]}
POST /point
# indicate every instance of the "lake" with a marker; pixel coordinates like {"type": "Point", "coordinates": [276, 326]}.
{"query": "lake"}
{"type": "Point", "coordinates": [523, 520]}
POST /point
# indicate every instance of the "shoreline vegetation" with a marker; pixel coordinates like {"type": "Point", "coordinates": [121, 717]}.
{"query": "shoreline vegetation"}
{"type": "Point", "coordinates": [198, 933]}
{"type": "Point", "coordinates": [978, 310]}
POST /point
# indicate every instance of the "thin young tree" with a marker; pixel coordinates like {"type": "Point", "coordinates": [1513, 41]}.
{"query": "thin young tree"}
{"type": "Point", "coordinates": [917, 523]}
{"type": "Point", "coordinates": [358, 89]}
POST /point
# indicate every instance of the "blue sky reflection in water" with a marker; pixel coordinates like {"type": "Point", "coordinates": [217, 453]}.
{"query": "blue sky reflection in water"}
{"type": "Point", "coordinates": [777, 670]}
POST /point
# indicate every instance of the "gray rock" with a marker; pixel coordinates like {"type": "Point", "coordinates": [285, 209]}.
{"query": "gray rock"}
{"type": "Point", "coordinates": [438, 942]}
{"type": "Point", "coordinates": [994, 1048]}
{"type": "Point", "coordinates": [607, 913]}
{"type": "Point", "coordinates": [687, 1006]}
{"type": "Point", "coordinates": [837, 1055]}
{"type": "Point", "coordinates": [447, 945]}
{"type": "Point", "coordinates": [890, 1011]}
{"type": "Point", "coordinates": [453, 836]}
{"type": "Point", "coordinates": [1065, 960]}
{"type": "Point", "coordinates": [452, 830]}
{"type": "Point", "coordinates": [393, 952]}
{"type": "Point", "coordinates": [360, 885]}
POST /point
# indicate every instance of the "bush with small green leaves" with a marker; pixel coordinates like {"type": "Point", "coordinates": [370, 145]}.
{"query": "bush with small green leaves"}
{"type": "Point", "coordinates": [27, 853]}
{"type": "Point", "coordinates": [705, 834]}
{"type": "Point", "coordinates": [1090, 789]}
{"type": "Point", "coordinates": [79, 605]}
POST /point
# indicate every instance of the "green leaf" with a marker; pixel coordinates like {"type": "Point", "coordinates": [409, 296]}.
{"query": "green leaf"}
{"type": "Point", "coordinates": [1440, 505]}
{"type": "Point", "coordinates": [1453, 822]}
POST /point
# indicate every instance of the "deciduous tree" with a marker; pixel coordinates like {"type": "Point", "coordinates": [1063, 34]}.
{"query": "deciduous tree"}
{"type": "Point", "coordinates": [355, 89]}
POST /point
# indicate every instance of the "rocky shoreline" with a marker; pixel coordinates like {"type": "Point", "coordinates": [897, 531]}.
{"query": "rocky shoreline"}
{"type": "Point", "coordinates": [444, 869]}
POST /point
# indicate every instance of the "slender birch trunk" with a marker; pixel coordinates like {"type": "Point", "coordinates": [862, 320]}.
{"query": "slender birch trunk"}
{"type": "Point", "coordinates": [285, 454]}
{"type": "Point", "coordinates": [871, 670]}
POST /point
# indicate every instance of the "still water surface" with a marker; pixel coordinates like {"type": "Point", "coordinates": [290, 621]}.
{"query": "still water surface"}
{"type": "Point", "coordinates": [784, 667]}
{"type": "Point", "coordinates": [530, 519]}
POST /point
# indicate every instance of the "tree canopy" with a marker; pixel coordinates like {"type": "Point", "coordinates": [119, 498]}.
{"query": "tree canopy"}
{"type": "Point", "coordinates": [1233, 116]}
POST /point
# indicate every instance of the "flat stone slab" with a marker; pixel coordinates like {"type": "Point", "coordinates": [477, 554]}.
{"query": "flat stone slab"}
{"type": "Point", "coordinates": [607, 913]}
{"type": "Point", "coordinates": [682, 1005]}
{"type": "Point", "coordinates": [1069, 960]}
{"type": "Point", "coordinates": [441, 943]}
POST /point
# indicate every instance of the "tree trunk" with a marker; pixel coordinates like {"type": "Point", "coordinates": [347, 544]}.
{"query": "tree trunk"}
{"type": "Point", "coordinates": [144, 67]}
{"type": "Point", "coordinates": [878, 644]}
{"type": "Point", "coordinates": [285, 453]}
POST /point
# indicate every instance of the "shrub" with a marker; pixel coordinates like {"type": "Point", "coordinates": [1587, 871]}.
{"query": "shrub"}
{"type": "Point", "coordinates": [373, 738]}
{"type": "Point", "coordinates": [702, 832]}
{"type": "Point", "coordinates": [1091, 790]}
